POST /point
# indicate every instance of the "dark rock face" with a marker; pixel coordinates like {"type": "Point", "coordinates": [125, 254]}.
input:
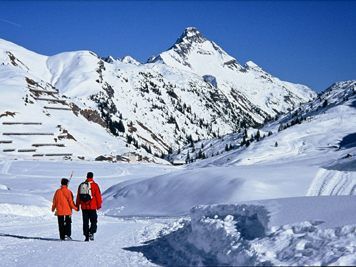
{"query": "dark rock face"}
{"type": "Point", "coordinates": [211, 80]}
{"type": "Point", "coordinates": [190, 35]}
{"type": "Point", "coordinates": [184, 43]}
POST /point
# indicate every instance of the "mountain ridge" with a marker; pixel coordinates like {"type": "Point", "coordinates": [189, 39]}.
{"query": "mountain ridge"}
{"type": "Point", "coordinates": [152, 108]}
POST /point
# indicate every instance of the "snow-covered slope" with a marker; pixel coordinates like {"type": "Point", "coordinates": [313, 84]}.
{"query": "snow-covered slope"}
{"type": "Point", "coordinates": [312, 126]}
{"type": "Point", "coordinates": [123, 109]}
{"type": "Point", "coordinates": [313, 153]}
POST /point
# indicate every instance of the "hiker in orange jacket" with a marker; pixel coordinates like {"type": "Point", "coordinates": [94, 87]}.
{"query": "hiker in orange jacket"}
{"type": "Point", "coordinates": [63, 204]}
{"type": "Point", "coordinates": [90, 200]}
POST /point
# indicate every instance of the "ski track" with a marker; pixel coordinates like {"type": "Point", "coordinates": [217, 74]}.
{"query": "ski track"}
{"type": "Point", "coordinates": [6, 167]}
{"type": "Point", "coordinates": [331, 182]}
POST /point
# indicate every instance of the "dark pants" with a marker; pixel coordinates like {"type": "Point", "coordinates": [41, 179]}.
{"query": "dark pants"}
{"type": "Point", "coordinates": [89, 215]}
{"type": "Point", "coordinates": [64, 225]}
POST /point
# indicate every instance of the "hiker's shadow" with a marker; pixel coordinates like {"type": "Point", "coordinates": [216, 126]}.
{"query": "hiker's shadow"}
{"type": "Point", "coordinates": [33, 237]}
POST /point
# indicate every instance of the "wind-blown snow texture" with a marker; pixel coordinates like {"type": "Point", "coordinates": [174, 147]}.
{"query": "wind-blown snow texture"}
{"type": "Point", "coordinates": [96, 106]}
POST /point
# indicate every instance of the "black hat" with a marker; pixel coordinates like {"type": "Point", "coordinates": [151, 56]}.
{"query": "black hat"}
{"type": "Point", "coordinates": [90, 175]}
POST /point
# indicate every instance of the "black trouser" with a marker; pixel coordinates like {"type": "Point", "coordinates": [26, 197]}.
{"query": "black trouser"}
{"type": "Point", "coordinates": [64, 225]}
{"type": "Point", "coordinates": [89, 215]}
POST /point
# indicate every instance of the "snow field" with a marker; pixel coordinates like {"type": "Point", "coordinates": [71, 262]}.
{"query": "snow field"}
{"type": "Point", "coordinates": [175, 193]}
{"type": "Point", "coordinates": [291, 231]}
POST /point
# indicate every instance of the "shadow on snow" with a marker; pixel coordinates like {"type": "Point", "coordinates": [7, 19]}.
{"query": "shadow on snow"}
{"type": "Point", "coordinates": [160, 251]}
{"type": "Point", "coordinates": [33, 237]}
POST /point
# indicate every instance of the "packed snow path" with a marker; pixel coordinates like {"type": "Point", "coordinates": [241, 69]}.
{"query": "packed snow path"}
{"type": "Point", "coordinates": [29, 231]}
{"type": "Point", "coordinates": [34, 241]}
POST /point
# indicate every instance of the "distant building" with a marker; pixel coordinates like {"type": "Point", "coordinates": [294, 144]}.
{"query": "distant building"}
{"type": "Point", "coordinates": [178, 162]}
{"type": "Point", "coordinates": [132, 157]}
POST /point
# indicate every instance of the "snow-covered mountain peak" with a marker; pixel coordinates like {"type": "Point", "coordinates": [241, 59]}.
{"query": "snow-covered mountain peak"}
{"type": "Point", "coordinates": [252, 65]}
{"type": "Point", "coordinates": [189, 35]}
{"type": "Point", "coordinates": [130, 60]}
{"type": "Point", "coordinates": [194, 53]}
{"type": "Point", "coordinates": [109, 59]}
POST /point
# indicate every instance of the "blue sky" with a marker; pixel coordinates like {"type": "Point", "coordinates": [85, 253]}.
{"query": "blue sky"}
{"type": "Point", "coordinates": [313, 43]}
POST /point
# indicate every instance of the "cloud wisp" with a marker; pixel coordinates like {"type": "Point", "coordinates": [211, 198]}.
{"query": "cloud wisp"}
{"type": "Point", "coordinates": [11, 23]}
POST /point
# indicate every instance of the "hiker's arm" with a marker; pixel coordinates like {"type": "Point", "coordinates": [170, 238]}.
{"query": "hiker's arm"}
{"type": "Point", "coordinates": [71, 202]}
{"type": "Point", "coordinates": [77, 201]}
{"type": "Point", "coordinates": [54, 204]}
{"type": "Point", "coordinates": [99, 199]}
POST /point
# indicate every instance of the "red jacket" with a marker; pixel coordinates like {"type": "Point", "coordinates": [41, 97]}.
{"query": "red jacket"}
{"type": "Point", "coordinates": [63, 202]}
{"type": "Point", "coordinates": [96, 200]}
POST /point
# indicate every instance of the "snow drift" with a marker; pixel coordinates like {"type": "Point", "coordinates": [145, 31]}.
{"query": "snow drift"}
{"type": "Point", "coordinates": [244, 235]}
{"type": "Point", "coordinates": [176, 193]}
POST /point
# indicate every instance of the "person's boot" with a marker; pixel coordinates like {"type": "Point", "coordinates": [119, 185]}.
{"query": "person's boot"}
{"type": "Point", "coordinates": [86, 238]}
{"type": "Point", "coordinates": [91, 237]}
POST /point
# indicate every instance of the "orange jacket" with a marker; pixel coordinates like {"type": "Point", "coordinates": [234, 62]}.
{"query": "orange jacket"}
{"type": "Point", "coordinates": [63, 202]}
{"type": "Point", "coordinates": [96, 201]}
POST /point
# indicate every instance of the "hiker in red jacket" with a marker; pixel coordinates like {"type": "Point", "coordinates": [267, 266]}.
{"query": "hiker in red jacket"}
{"type": "Point", "coordinates": [63, 205]}
{"type": "Point", "coordinates": [89, 199]}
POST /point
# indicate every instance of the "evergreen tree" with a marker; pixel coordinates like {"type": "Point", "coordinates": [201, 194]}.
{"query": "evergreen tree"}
{"type": "Point", "coordinates": [245, 132]}
{"type": "Point", "coordinates": [190, 140]}
{"type": "Point", "coordinates": [243, 142]}
{"type": "Point", "coordinates": [129, 139]}
{"type": "Point", "coordinates": [325, 103]}
{"type": "Point", "coordinates": [121, 127]}
{"type": "Point", "coordinates": [200, 154]}
{"type": "Point", "coordinates": [258, 135]}
{"type": "Point", "coordinates": [276, 144]}
{"type": "Point", "coordinates": [281, 127]}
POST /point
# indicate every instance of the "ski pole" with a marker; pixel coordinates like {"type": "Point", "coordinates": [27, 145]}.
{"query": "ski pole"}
{"type": "Point", "coordinates": [70, 177]}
